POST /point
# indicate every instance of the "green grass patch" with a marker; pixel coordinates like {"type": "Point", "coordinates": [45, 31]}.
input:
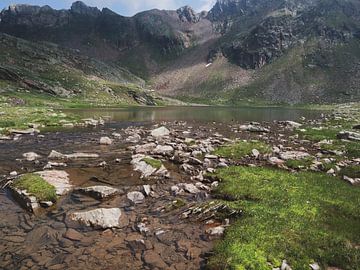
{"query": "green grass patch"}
{"type": "Point", "coordinates": [315, 134]}
{"type": "Point", "coordinates": [36, 186]}
{"type": "Point", "coordinates": [303, 218]}
{"type": "Point", "coordinates": [241, 149]}
{"type": "Point", "coordinates": [153, 162]}
{"type": "Point", "coordinates": [299, 163]}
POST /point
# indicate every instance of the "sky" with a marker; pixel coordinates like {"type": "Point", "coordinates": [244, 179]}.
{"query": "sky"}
{"type": "Point", "coordinates": [123, 7]}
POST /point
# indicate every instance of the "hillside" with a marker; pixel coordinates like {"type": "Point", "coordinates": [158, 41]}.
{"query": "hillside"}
{"type": "Point", "coordinates": [278, 51]}
{"type": "Point", "coordinates": [42, 71]}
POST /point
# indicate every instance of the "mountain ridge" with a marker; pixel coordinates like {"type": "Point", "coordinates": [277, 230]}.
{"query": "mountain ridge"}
{"type": "Point", "coordinates": [217, 55]}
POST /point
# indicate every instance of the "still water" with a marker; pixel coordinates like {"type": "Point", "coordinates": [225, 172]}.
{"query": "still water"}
{"type": "Point", "coordinates": [197, 114]}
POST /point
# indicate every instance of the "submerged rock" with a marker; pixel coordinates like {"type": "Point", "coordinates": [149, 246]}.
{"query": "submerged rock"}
{"type": "Point", "coordinates": [99, 192]}
{"type": "Point", "coordinates": [57, 155]}
{"type": "Point", "coordinates": [103, 218]}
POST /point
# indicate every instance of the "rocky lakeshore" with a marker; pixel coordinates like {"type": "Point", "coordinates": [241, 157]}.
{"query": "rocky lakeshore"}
{"type": "Point", "coordinates": [151, 196]}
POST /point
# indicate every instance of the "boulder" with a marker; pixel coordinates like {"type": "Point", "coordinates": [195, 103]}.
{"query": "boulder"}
{"type": "Point", "coordinates": [59, 179]}
{"type": "Point", "coordinates": [254, 128]}
{"type": "Point", "coordinates": [31, 156]}
{"type": "Point", "coordinates": [99, 192]}
{"type": "Point", "coordinates": [105, 141]}
{"type": "Point", "coordinates": [349, 135]}
{"type": "Point", "coordinates": [160, 132]}
{"type": "Point", "coordinates": [145, 148]}
{"type": "Point", "coordinates": [293, 155]}
{"type": "Point", "coordinates": [164, 150]}
{"type": "Point", "coordinates": [103, 218]}
{"type": "Point", "coordinates": [146, 169]}
{"type": "Point", "coordinates": [136, 197]}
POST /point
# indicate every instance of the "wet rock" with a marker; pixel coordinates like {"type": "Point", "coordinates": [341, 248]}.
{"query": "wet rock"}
{"type": "Point", "coordinates": [154, 260]}
{"type": "Point", "coordinates": [217, 231]}
{"type": "Point", "coordinates": [254, 128]}
{"type": "Point", "coordinates": [145, 148]}
{"type": "Point", "coordinates": [146, 170]}
{"type": "Point", "coordinates": [105, 141]}
{"type": "Point", "coordinates": [73, 235]}
{"type": "Point", "coordinates": [293, 155]}
{"type": "Point", "coordinates": [147, 189]}
{"type": "Point", "coordinates": [349, 135]}
{"type": "Point", "coordinates": [135, 138]}
{"type": "Point", "coordinates": [136, 197]}
{"type": "Point", "coordinates": [164, 150]}
{"type": "Point", "coordinates": [99, 218]}
{"type": "Point", "coordinates": [31, 156]}
{"type": "Point", "coordinates": [100, 192]}
{"type": "Point", "coordinates": [59, 179]}
{"type": "Point", "coordinates": [160, 132]}
{"type": "Point", "coordinates": [57, 155]}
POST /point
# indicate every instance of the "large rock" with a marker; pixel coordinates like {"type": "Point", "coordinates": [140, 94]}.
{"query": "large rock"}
{"type": "Point", "coordinates": [59, 179]}
{"type": "Point", "coordinates": [349, 135]}
{"type": "Point", "coordinates": [164, 150]}
{"type": "Point", "coordinates": [105, 141]}
{"type": "Point", "coordinates": [57, 155]}
{"type": "Point", "coordinates": [160, 132]}
{"type": "Point", "coordinates": [293, 155]}
{"type": "Point", "coordinates": [145, 148]}
{"type": "Point", "coordinates": [136, 197]}
{"type": "Point", "coordinates": [146, 169]}
{"type": "Point", "coordinates": [31, 156]}
{"type": "Point", "coordinates": [103, 218]}
{"type": "Point", "coordinates": [254, 128]}
{"type": "Point", "coordinates": [100, 192]}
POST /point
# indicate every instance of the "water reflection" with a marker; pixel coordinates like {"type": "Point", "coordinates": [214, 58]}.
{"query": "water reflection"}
{"type": "Point", "coordinates": [198, 114]}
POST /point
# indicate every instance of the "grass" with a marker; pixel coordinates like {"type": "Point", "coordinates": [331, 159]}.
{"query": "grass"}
{"type": "Point", "coordinates": [153, 162]}
{"type": "Point", "coordinates": [242, 149]}
{"type": "Point", "coordinates": [298, 164]}
{"type": "Point", "coordinates": [303, 218]}
{"type": "Point", "coordinates": [21, 117]}
{"type": "Point", "coordinates": [36, 186]}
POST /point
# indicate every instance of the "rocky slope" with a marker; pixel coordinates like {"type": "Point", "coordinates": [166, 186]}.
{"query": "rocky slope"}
{"type": "Point", "coordinates": [292, 51]}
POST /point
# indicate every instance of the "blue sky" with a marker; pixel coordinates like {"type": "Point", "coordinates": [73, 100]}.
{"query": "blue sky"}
{"type": "Point", "coordinates": [123, 7]}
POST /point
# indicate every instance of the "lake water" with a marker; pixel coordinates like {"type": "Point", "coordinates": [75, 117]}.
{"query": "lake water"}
{"type": "Point", "coordinates": [197, 114]}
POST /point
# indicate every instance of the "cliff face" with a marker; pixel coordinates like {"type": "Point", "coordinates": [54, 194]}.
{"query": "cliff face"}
{"type": "Point", "coordinates": [252, 35]}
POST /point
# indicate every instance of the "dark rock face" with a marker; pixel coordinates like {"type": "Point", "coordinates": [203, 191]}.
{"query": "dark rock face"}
{"type": "Point", "coordinates": [79, 7]}
{"type": "Point", "coordinates": [187, 14]}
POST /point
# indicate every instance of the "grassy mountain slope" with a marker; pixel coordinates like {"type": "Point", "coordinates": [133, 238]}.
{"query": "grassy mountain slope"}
{"type": "Point", "coordinates": [43, 71]}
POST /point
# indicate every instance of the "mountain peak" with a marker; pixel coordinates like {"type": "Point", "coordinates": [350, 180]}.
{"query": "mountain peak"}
{"type": "Point", "coordinates": [80, 7]}
{"type": "Point", "coordinates": [187, 14]}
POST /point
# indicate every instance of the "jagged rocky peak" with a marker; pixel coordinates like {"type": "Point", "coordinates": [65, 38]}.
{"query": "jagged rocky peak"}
{"type": "Point", "coordinates": [81, 8]}
{"type": "Point", "coordinates": [22, 9]}
{"type": "Point", "coordinates": [187, 14]}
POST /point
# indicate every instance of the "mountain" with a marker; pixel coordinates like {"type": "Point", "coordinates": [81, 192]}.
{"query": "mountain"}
{"type": "Point", "coordinates": [277, 51]}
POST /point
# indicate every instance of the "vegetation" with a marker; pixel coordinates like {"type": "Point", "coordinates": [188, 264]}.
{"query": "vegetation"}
{"type": "Point", "coordinates": [36, 186]}
{"type": "Point", "coordinates": [242, 149]}
{"type": "Point", "coordinates": [303, 218]}
{"type": "Point", "coordinates": [153, 162]}
{"type": "Point", "coordinates": [299, 163]}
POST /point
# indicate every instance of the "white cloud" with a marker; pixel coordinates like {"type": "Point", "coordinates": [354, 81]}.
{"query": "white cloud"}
{"type": "Point", "coordinates": [206, 5]}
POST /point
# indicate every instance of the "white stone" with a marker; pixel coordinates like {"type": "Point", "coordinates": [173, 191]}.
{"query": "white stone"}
{"type": "Point", "coordinates": [160, 132]}
{"type": "Point", "coordinates": [136, 197]}
{"type": "Point", "coordinates": [99, 218]}
{"type": "Point", "coordinates": [100, 192]}
{"type": "Point", "coordinates": [31, 156]}
{"type": "Point", "coordinates": [293, 155]}
{"type": "Point", "coordinates": [59, 179]}
{"type": "Point", "coordinates": [216, 231]}
{"type": "Point", "coordinates": [105, 141]}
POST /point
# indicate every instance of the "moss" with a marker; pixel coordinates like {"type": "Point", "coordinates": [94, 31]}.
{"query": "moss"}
{"type": "Point", "coordinates": [153, 162]}
{"type": "Point", "coordinates": [299, 164]}
{"type": "Point", "coordinates": [242, 149]}
{"type": "Point", "coordinates": [36, 186]}
{"type": "Point", "coordinates": [302, 218]}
